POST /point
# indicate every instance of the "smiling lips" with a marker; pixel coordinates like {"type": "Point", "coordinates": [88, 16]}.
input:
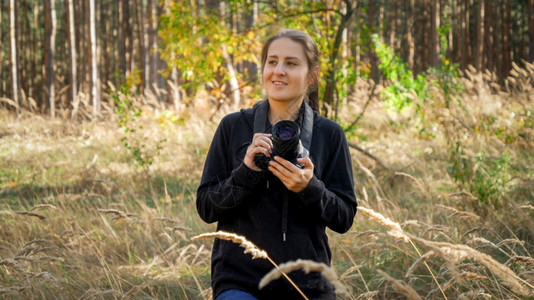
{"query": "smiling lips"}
{"type": "Point", "coordinates": [279, 83]}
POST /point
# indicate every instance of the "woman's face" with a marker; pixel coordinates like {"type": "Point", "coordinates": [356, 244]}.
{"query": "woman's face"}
{"type": "Point", "coordinates": [285, 75]}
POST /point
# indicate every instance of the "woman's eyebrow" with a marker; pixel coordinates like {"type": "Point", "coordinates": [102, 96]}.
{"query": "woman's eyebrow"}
{"type": "Point", "coordinates": [286, 58]}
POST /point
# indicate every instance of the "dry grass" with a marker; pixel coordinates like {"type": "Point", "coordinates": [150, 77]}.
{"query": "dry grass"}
{"type": "Point", "coordinates": [307, 266]}
{"type": "Point", "coordinates": [78, 219]}
{"type": "Point", "coordinates": [241, 240]}
{"type": "Point", "coordinates": [452, 253]}
{"type": "Point", "coordinates": [252, 250]}
{"type": "Point", "coordinates": [401, 287]}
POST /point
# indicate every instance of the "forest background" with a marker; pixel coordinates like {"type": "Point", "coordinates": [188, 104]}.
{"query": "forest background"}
{"type": "Point", "coordinates": [108, 107]}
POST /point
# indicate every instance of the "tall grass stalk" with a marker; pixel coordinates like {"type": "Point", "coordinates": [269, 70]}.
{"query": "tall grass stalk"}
{"type": "Point", "coordinates": [250, 248]}
{"type": "Point", "coordinates": [397, 232]}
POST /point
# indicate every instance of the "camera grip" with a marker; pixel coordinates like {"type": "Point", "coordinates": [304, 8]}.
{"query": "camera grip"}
{"type": "Point", "coordinates": [261, 161]}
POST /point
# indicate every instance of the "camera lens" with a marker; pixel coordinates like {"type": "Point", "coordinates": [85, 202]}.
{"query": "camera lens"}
{"type": "Point", "coordinates": [286, 144]}
{"type": "Point", "coordinates": [286, 137]}
{"type": "Point", "coordinates": [286, 133]}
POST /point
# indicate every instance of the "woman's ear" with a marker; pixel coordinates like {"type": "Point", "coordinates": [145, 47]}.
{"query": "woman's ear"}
{"type": "Point", "coordinates": [313, 76]}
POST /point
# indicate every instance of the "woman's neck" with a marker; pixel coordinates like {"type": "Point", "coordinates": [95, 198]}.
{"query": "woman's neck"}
{"type": "Point", "coordinates": [279, 110]}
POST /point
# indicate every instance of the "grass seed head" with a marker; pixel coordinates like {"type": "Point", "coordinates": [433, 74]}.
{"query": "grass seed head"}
{"type": "Point", "coordinates": [458, 252]}
{"type": "Point", "coordinates": [396, 230]}
{"type": "Point", "coordinates": [39, 206]}
{"type": "Point", "coordinates": [241, 240]}
{"type": "Point", "coordinates": [31, 214]}
{"type": "Point", "coordinates": [401, 287]}
{"type": "Point", "coordinates": [307, 266]}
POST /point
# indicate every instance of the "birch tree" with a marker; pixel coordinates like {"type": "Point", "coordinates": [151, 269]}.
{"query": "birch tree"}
{"type": "Point", "coordinates": [15, 81]}
{"type": "Point", "coordinates": [72, 57]}
{"type": "Point", "coordinates": [95, 95]}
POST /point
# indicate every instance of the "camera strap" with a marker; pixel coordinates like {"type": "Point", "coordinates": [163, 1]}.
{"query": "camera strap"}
{"type": "Point", "coordinates": [260, 119]}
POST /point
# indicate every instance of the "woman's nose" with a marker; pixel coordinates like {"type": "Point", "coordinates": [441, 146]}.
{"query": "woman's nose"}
{"type": "Point", "coordinates": [279, 69]}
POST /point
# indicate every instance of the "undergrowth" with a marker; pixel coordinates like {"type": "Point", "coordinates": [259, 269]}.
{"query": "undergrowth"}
{"type": "Point", "coordinates": [446, 198]}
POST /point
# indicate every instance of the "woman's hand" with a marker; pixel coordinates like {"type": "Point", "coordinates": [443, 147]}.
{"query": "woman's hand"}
{"type": "Point", "coordinates": [261, 143]}
{"type": "Point", "coordinates": [293, 177]}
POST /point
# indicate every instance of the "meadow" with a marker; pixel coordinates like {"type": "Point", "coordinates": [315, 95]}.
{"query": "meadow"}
{"type": "Point", "coordinates": [105, 209]}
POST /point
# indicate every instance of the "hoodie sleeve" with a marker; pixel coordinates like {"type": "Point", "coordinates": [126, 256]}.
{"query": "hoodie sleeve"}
{"type": "Point", "coordinates": [332, 198]}
{"type": "Point", "coordinates": [222, 187]}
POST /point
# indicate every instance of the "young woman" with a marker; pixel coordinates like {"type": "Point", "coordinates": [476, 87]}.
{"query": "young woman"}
{"type": "Point", "coordinates": [284, 209]}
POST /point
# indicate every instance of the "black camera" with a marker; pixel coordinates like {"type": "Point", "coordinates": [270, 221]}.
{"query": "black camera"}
{"type": "Point", "coordinates": [286, 144]}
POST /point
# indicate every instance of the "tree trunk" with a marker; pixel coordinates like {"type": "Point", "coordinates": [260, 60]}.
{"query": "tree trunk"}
{"type": "Point", "coordinates": [251, 69]}
{"type": "Point", "coordinates": [50, 42]}
{"type": "Point", "coordinates": [141, 45]}
{"type": "Point", "coordinates": [505, 36]}
{"type": "Point", "coordinates": [450, 37]}
{"type": "Point", "coordinates": [234, 84]}
{"type": "Point", "coordinates": [22, 36]}
{"type": "Point", "coordinates": [106, 15]}
{"type": "Point", "coordinates": [479, 47]}
{"type": "Point", "coordinates": [328, 99]}
{"type": "Point", "coordinates": [2, 79]}
{"type": "Point", "coordinates": [72, 59]}
{"type": "Point", "coordinates": [344, 54]}
{"type": "Point", "coordinates": [455, 30]}
{"type": "Point", "coordinates": [434, 26]}
{"type": "Point", "coordinates": [146, 44]}
{"type": "Point", "coordinates": [95, 96]}
{"type": "Point", "coordinates": [81, 49]}
{"type": "Point", "coordinates": [397, 31]}
{"type": "Point", "coordinates": [531, 30]}
{"type": "Point", "coordinates": [374, 72]}
{"type": "Point", "coordinates": [159, 63]}
{"type": "Point", "coordinates": [466, 37]}
{"type": "Point", "coordinates": [88, 59]}
{"type": "Point", "coordinates": [356, 42]}
{"type": "Point", "coordinates": [96, 18]}
{"type": "Point", "coordinates": [152, 44]}
{"type": "Point", "coordinates": [392, 16]}
{"type": "Point", "coordinates": [123, 39]}
{"type": "Point", "coordinates": [381, 24]}
{"type": "Point", "coordinates": [33, 52]}
{"type": "Point", "coordinates": [174, 84]}
{"type": "Point", "coordinates": [15, 81]}
{"type": "Point", "coordinates": [425, 45]}
{"type": "Point", "coordinates": [410, 32]}
{"type": "Point", "coordinates": [489, 44]}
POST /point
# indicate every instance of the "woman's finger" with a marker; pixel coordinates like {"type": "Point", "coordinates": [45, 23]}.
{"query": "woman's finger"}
{"type": "Point", "coordinates": [262, 140]}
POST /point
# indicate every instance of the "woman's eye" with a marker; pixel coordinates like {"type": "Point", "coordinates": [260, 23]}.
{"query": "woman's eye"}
{"type": "Point", "coordinates": [272, 62]}
{"type": "Point", "coordinates": [291, 63]}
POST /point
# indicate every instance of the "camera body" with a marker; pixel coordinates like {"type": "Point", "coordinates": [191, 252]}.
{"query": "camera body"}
{"type": "Point", "coordinates": [286, 144]}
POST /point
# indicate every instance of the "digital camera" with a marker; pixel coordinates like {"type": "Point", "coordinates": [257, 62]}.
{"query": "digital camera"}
{"type": "Point", "coordinates": [286, 144]}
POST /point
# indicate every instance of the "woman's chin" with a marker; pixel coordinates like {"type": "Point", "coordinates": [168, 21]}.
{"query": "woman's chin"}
{"type": "Point", "coordinates": [282, 98]}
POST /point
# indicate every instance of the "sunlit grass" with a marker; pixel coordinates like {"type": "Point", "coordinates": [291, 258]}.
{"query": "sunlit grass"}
{"type": "Point", "coordinates": [79, 219]}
